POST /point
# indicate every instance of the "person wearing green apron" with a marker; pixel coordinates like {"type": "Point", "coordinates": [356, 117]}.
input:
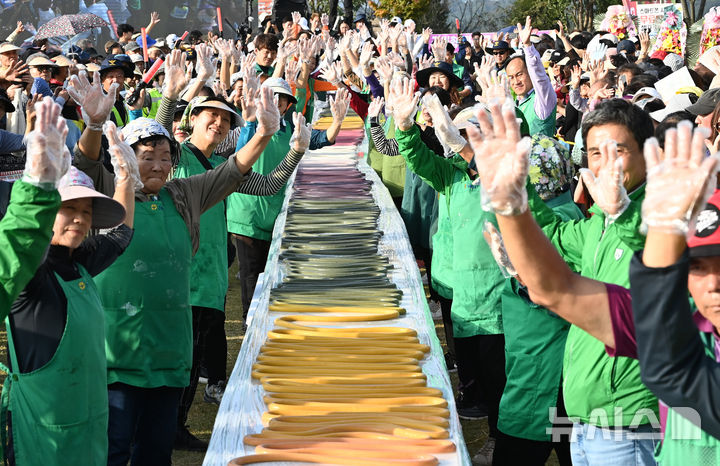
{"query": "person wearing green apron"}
{"type": "Point", "coordinates": [146, 293]}
{"type": "Point", "coordinates": [251, 218]}
{"type": "Point", "coordinates": [535, 337]}
{"type": "Point", "coordinates": [477, 282]}
{"type": "Point", "coordinates": [209, 270]}
{"type": "Point", "coordinates": [56, 390]}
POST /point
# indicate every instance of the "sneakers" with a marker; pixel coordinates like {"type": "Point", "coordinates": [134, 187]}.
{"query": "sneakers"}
{"type": "Point", "coordinates": [202, 375]}
{"type": "Point", "coordinates": [184, 440]}
{"type": "Point", "coordinates": [450, 363]}
{"type": "Point", "coordinates": [470, 410]}
{"type": "Point", "coordinates": [484, 457]}
{"type": "Point", "coordinates": [214, 393]}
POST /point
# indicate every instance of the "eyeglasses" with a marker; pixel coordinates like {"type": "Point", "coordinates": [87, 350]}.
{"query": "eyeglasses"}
{"type": "Point", "coordinates": [44, 69]}
{"type": "Point", "coordinates": [499, 52]}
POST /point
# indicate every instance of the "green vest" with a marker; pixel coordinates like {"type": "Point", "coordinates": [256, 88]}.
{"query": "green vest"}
{"type": "Point", "coordinates": [254, 216]}
{"type": "Point", "coordinates": [60, 411]}
{"type": "Point", "coordinates": [155, 98]}
{"type": "Point", "coordinates": [685, 442]}
{"type": "Point", "coordinates": [535, 124]}
{"type": "Point", "coordinates": [391, 168]}
{"type": "Point", "coordinates": [117, 119]}
{"type": "Point", "coordinates": [442, 248]}
{"type": "Point", "coordinates": [146, 296]}
{"type": "Point", "coordinates": [534, 346]}
{"type": "Point", "coordinates": [209, 271]}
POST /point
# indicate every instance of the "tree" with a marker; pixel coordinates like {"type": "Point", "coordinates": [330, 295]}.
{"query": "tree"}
{"type": "Point", "coordinates": [692, 11]}
{"type": "Point", "coordinates": [479, 15]}
{"type": "Point", "coordinates": [436, 17]}
{"type": "Point", "coordinates": [546, 13]}
{"type": "Point", "coordinates": [401, 8]}
{"type": "Point", "coordinates": [348, 7]}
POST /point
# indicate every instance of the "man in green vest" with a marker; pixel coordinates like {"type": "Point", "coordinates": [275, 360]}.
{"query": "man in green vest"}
{"type": "Point", "coordinates": [536, 98]}
{"type": "Point", "coordinates": [114, 71]}
{"type": "Point", "coordinates": [679, 363]}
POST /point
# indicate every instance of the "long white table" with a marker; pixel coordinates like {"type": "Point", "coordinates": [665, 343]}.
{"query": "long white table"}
{"type": "Point", "coordinates": [242, 405]}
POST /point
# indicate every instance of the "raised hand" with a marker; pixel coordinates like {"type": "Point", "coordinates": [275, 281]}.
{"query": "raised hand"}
{"type": "Point", "coordinates": [439, 48]}
{"type": "Point", "coordinates": [525, 32]}
{"type": "Point", "coordinates": [47, 158]}
{"type": "Point", "coordinates": [154, 19]}
{"type": "Point", "coordinates": [176, 80]}
{"type": "Point", "coordinates": [96, 105]}
{"type": "Point", "coordinates": [292, 69]}
{"type": "Point", "coordinates": [305, 50]}
{"type": "Point", "coordinates": [205, 64]}
{"type": "Point", "coordinates": [678, 183]}
{"type": "Point", "coordinates": [251, 91]}
{"type": "Point", "coordinates": [426, 33]}
{"type": "Point", "coordinates": [300, 139]}
{"type": "Point", "coordinates": [502, 162]}
{"type": "Point", "coordinates": [575, 75]}
{"type": "Point", "coordinates": [333, 73]}
{"type": "Point", "coordinates": [296, 17]}
{"type": "Point", "coordinates": [499, 87]}
{"type": "Point", "coordinates": [384, 68]}
{"type": "Point", "coordinates": [224, 48]}
{"type": "Point", "coordinates": [444, 128]}
{"type": "Point", "coordinates": [405, 102]}
{"type": "Point", "coordinates": [325, 20]}
{"type": "Point", "coordinates": [396, 60]}
{"type": "Point", "coordinates": [122, 158]}
{"type": "Point", "coordinates": [339, 105]}
{"type": "Point", "coordinates": [607, 188]}
{"type": "Point", "coordinates": [560, 29]}
{"type": "Point", "coordinates": [366, 54]}
{"type": "Point", "coordinates": [375, 107]}
{"type": "Point", "coordinates": [425, 61]}
{"type": "Point", "coordinates": [267, 113]}
{"type": "Point", "coordinates": [14, 71]}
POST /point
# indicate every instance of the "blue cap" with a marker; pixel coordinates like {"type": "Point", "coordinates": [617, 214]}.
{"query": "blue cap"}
{"type": "Point", "coordinates": [150, 41]}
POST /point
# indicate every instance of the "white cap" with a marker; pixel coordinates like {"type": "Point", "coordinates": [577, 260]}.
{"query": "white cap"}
{"type": "Point", "coordinates": [674, 61]}
{"type": "Point", "coordinates": [280, 86]}
{"type": "Point", "coordinates": [396, 20]}
{"type": "Point", "coordinates": [646, 93]}
{"type": "Point", "coordinates": [303, 24]}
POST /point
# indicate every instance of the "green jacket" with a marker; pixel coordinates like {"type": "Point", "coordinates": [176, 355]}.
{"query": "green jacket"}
{"type": "Point", "coordinates": [594, 384]}
{"type": "Point", "coordinates": [534, 346]}
{"type": "Point", "coordinates": [25, 233]}
{"type": "Point", "coordinates": [535, 124]}
{"type": "Point", "coordinates": [419, 209]}
{"type": "Point", "coordinates": [477, 282]}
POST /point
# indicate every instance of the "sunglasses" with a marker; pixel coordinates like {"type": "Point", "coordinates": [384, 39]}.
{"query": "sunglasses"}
{"type": "Point", "coordinates": [43, 69]}
{"type": "Point", "coordinates": [499, 52]}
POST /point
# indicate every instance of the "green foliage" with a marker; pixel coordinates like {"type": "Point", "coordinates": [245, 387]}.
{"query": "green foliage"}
{"type": "Point", "coordinates": [436, 17]}
{"type": "Point", "coordinates": [544, 13]}
{"type": "Point", "coordinates": [401, 8]}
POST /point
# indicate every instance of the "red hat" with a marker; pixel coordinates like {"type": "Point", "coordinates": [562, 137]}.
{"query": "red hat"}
{"type": "Point", "coordinates": [706, 239]}
{"type": "Point", "coordinates": [660, 54]}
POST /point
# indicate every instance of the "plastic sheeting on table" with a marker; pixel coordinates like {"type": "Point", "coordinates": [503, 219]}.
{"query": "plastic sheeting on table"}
{"type": "Point", "coordinates": [242, 405]}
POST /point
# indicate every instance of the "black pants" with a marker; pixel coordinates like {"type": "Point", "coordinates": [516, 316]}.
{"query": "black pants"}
{"type": "Point", "coordinates": [209, 350]}
{"type": "Point", "coordinates": [445, 306]}
{"type": "Point", "coordinates": [480, 361]}
{"type": "Point", "coordinates": [252, 255]}
{"type": "Point", "coordinates": [511, 450]}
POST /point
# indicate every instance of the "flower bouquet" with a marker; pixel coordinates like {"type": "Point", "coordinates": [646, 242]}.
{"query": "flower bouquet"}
{"type": "Point", "coordinates": [672, 35]}
{"type": "Point", "coordinates": [618, 22]}
{"type": "Point", "coordinates": [710, 36]}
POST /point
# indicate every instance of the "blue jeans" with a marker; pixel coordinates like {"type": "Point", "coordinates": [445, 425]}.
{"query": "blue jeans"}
{"type": "Point", "coordinates": [593, 446]}
{"type": "Point", "coordinates": [142, 424]}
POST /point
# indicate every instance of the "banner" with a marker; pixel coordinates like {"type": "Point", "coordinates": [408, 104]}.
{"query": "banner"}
{"type": "Point", "coordinates": [650, 17]}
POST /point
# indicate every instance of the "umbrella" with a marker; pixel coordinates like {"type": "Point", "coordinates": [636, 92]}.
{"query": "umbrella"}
{"type": "Point", "coordinates": [508, 30]}
{"type": "Point", "coordinates": [69, 25]}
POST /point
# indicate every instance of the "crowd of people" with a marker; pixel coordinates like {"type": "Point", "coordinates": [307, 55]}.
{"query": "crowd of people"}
{"type": "Point", "coordinates": [560, 192]}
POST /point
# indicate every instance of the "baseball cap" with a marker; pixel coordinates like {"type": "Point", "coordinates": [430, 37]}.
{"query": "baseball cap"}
{"type": "Point", "coordinates": [106, 212]}
{"type": "Point", "coordinates": [705, 242]}
{"type": "Point", "coordinates": [626, 46]}
{"type": "Point", "coordinates": [611, 37]}
{"type": "Point", "coordinates": [280, 86]}
{"type": "Point", "coordinates": [706, 103]}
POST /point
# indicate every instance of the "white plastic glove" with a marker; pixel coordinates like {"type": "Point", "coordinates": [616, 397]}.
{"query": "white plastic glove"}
{"type": "Point", "coordinates": [267, 113]}
{"type": "Point", "coordinates": [300, 139]}
{"type": "Point", "coordinates": [366, 54]}
{"type": "Point", "coordinates": [425, 61]}
{"type": "Point", "coordinates": [224, 48]}
{"type": "Point", "coordinates": [607, 188]}
{"type": "Point", "coordinates": [305, 50]}
{"type": "Point", "coordinates": [47, 158]}
{"type": "Point", "coordinates": [292, 69]}
{"type": "Point", "coordinates": [384, 68]}
{"type": "Point", "coordinates": [96, 105]}
{"type": "Point", "coordinates": [439, 48]}
{"type": "Point", "coordinates": [444, 128]}
{"type": "Point", "coordinates": [176, 80]}
{"type": "Point", "coordinates": [205, 64]}
{"type": "Point", "coordinates": [375, 107]}
{"type": "Point", "coordinates": [339, 104]}
{"type": "Point", "coordinates": [405, 102]}
{"type": "Point", "coordinates": [333, 73]}
{"type": "Point", "coordinates": [678, 184]}
{"type": "Point", "coordinates": [122, 157]}
{"type": "Point", "coordinates": [502, 161]}
{"type": "Point", "coordinates": [497, 248]}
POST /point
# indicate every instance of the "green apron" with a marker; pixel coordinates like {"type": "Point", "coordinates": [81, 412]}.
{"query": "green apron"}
{"type": "Point", "coordinates": [254, 216]}
{"type": "Point", "coordinates": [391, 169]}
{"type": "Point", "coordinates": [535, 124]}
{"type": "Point", "coordinates": [60, 411]}
{"type": "Point", "coordinates": [209, 271]}
{"type": "Point", "coordinates": [442, 250]}
{"type": "Point", "coordinates": [146, 296]}
{"type": "Point", "coordinates": [419, 209]}
{"type": "Point", "coordinates": [684, 442]}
